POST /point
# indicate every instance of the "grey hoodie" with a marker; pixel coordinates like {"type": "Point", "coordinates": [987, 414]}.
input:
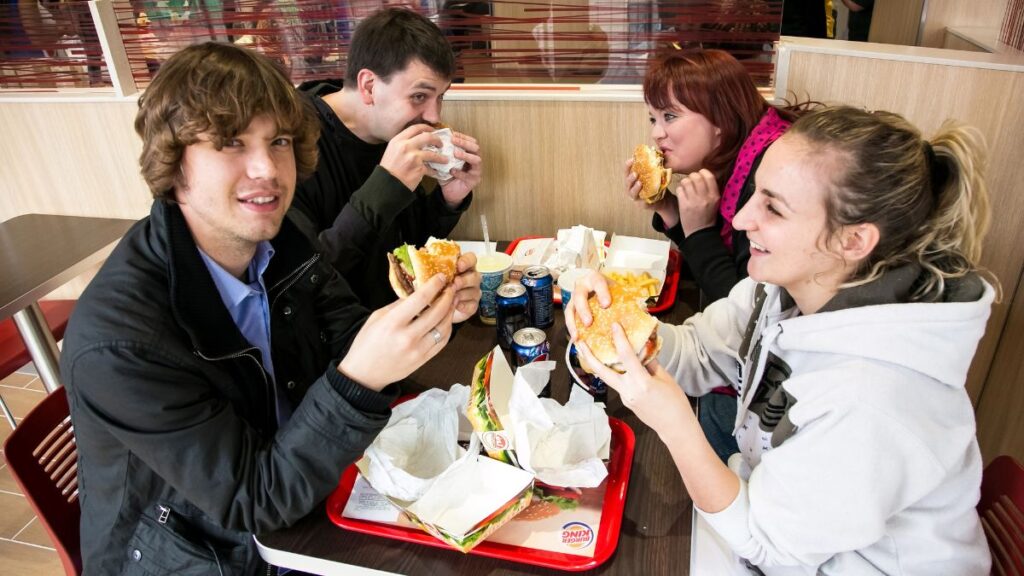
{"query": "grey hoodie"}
{"type": "Point", "coordinates": [857, 438]}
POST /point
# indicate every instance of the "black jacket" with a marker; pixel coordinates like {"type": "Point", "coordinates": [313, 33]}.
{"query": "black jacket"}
{"type": "Point", "coordinates": [715, 269]}
{"type": "Point", "coordinates": [180, 457]}
{"type": "Point", "coordinates": [360, 209]}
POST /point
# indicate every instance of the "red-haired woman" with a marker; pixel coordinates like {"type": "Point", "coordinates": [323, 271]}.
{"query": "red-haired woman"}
{"type": "Point", "coordinates": [713, 127]}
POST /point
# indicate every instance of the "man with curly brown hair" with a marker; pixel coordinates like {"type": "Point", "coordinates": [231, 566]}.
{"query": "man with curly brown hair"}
{"type": "Point", "coordinates": [221, 374]}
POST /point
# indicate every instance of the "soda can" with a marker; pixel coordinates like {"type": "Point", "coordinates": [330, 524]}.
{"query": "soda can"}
{"type": "Point", "coordinates": [513, 305]}
{"type": "Point", "coordinates": [541, 288]}
{"type": "Point", "coordinates": [531, 345]}
{"type": "Point", "coordinates": [580, 377]}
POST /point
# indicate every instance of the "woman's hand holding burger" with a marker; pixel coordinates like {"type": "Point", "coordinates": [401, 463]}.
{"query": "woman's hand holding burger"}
{"type": "Point", "coordinates": [649, 391]}
{"type": "Point", "coordinates": [579, 308]}
{"type": "Point", "coordinates": [665, 207]}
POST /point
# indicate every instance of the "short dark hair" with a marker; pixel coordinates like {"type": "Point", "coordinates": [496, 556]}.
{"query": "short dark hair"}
{"type": "Point", "coordinates": [217, 89]}
{"type": "Point", "coordinates": [387, 40]}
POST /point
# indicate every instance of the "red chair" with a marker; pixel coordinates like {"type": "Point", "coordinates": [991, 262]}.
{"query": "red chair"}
{"type": "Point", "coordinates": [1001, 508]}
{"type": "Point", "coordinates": [43, 459]}
{"type": "Point", "coordinates": [14, 355]}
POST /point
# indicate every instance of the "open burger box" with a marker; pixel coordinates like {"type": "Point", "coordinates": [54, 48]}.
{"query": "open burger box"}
{"type": "Point", "coordinates": [483, 505]}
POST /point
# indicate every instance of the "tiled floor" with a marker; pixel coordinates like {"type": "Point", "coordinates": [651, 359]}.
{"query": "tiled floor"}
{"type": "Point", "coordinates": [25, 549]}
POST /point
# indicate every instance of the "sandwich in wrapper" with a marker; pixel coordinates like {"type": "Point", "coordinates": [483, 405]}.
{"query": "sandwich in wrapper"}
{"type": "Point", "coordinates": [452, 525]}
{"type": "Point", "coordinates": [651, 172]}
{"type": "Point", "coordinates": [410, 267]}
{"type": "Point", "coordinates": [629, 309]}
{"type": "Point", "coordinates": [483, 415]}
{"type": "Point", "coordinates": [443, 171]}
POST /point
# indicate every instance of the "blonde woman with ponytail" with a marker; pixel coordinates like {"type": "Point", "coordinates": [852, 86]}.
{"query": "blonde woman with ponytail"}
{"type": "Point", "coordinates": [849, 346]}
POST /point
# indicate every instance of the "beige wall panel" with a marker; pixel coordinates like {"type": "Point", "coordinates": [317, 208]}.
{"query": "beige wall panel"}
{"type": "Point", "coordinates": [1000, 426]}
{"type": "Point", "coordinates": [896, 22]}
{"type": "Point", "coordinates": [550, 165]}
{"type": "Point", "coordinates": [927, 94]}
{"type": "Point", "coordinates": [942, 14]}
{"type": "Point", "coordinates": [71, 158]}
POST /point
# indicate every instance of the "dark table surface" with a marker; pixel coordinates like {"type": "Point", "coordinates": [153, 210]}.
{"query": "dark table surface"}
{"type": "Point", "coordinates": [40, 252]}
{"type": "Point", "coordinates": [656, 524]}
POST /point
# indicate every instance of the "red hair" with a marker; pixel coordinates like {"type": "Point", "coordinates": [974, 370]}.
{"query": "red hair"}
{"type": "Point", "coordinates": [715, 85]}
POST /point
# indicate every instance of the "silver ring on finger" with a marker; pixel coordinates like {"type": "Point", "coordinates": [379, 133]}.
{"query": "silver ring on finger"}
{"type": "Point", "coordinates": [437, 335]}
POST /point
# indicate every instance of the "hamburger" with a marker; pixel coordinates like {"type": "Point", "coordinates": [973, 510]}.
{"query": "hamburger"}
{"type": "Point", "coordinates": [651, 172]}
{"type": "Point", "coordinates": [410, 267]}
{"type": "Point", "coordinates": [629, 309]}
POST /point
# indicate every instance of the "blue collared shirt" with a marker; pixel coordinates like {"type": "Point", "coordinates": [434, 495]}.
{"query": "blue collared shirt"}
{"type": "Point", "coordinates": [249, 307]}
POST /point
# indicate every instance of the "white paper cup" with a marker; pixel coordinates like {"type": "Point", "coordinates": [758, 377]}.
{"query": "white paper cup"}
{"type": "Point", "coordinates": [493, 270]}
{"type": "Point", "coordinates": [566, 282]}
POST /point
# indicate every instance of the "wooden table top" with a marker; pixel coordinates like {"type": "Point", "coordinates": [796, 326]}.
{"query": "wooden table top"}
{"type": "Point", "coordinates": [656, 526]}
{"type": "Point", "coordinates": [40, 252]}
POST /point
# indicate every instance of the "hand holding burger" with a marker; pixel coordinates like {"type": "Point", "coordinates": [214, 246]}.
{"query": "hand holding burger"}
{"type": "Point", "coordinates": [627, 309]}
{"type": "Point", "coordinates": [410, 267]}
{"type": "Point", "coordinates": [648, 165]}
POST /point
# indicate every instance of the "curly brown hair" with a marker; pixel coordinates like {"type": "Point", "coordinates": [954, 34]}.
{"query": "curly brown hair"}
{"type": "Point", "coordinates": [217, 89]}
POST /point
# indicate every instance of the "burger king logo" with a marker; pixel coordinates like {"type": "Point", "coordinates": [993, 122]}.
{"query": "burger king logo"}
{"type": "Point", "coordinates": [494, 441]}
{"type": "Point", "coordinates": [577, 535]}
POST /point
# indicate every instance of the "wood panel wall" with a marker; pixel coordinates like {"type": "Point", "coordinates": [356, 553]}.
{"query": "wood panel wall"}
{"type": "Point", "coordinates": [926, 94]}
{"type": "Point", "coordinates": [74, 158]}
{"type": "Point", "coordinates": [551, 165]}
{"type": "Point", "coordinates": [941, 14]}
{"type": "Point", "coordinates": [899, 21]}
{"type": "Point", "coordinates": [896, 21]}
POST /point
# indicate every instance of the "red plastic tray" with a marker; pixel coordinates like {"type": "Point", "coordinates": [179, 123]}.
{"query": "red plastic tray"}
{"type": "Point", "coordinates": [668, 290]}
{"type": "Point", "coordinates": [619, 465]}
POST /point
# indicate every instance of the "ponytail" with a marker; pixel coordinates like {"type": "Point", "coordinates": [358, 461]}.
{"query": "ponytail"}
{"type": "Point", "coordinates": [928, 199]}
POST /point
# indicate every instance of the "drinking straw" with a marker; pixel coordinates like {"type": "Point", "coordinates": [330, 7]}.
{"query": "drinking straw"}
{"type": "Point", "coordinates": [487, 236]}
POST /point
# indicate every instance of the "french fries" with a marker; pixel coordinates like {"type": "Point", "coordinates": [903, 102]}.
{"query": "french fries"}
{"type": "Point", "coordinates": [642, 284]}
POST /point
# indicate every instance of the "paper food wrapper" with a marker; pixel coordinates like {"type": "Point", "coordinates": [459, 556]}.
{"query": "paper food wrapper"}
{"type": "Point", "coordinates": [443, 172]}
{"type": "Point", "coordinates": [561, 445]}
{"type": "Point", "coordinates": [458, 496]}
{"type": "Point", "coordinates": [419, 443]}
{"type": "Point", "coordinates": [532, 252]}
{"type": "Point", "coordinates": [577, 247]}
{"type": "Point", "coordinates": [471, 500]}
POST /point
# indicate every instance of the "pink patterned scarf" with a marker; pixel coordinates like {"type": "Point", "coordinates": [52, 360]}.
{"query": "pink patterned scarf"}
{"type": "Point", "coordinates": [768, 130]}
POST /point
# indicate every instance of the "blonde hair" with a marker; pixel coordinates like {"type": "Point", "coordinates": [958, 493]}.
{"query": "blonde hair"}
{"type": "Point", "coordinates": [928, 198]}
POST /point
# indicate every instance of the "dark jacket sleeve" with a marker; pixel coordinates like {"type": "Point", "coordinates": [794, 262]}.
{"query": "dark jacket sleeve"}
{"type": "Point", "coordinates": [205, 450]}
{"type": "Point", "coordinates": [380, 204]}
{"type": "Point", "coordinates": [430, 215]}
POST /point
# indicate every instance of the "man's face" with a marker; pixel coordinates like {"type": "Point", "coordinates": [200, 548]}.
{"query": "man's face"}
{"type": "Point", "coordinates": [236, 197]}
{"type": "Point", "coordinates": [411, 96]}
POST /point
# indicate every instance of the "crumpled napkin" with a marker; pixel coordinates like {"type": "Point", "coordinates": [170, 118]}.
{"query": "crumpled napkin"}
{"type": "Point", "coordinates": [561, 445]}
{"type": "Point", "coordinates": [419, 442]}
{"type": "Point", "coordinates": [443, 172]}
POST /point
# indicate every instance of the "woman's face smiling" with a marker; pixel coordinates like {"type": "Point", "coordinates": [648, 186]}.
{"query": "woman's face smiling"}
{"type": "Point", "coordinates": [685, 137]}
{"type": "Point", "coordinates": [785, 222]}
